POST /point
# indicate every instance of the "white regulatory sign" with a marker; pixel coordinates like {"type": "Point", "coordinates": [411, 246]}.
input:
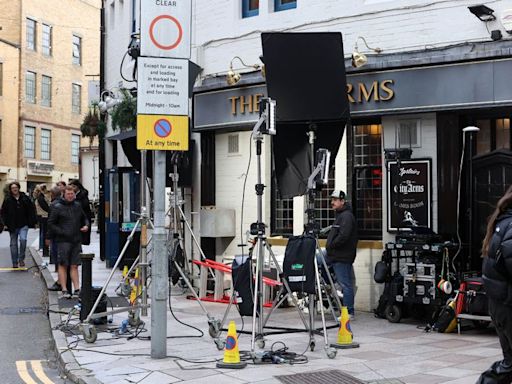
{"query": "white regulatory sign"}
{"type": "Point", "coordinates": [165, 28]}
{"type": "Point", "coordinates": [163, 86]}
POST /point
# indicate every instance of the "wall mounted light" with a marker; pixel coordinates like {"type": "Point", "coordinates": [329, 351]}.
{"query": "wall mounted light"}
{"type": "Point", "coordinates": [108, 101]}
{"type": "Point", "coordinates": [483, 12]}
{"type": "Point", "coordinates": [233, 77]}
{"type": "Point", "coordinates": [359, 59]}
{"type": "Point", "coordinates": [506, 20]}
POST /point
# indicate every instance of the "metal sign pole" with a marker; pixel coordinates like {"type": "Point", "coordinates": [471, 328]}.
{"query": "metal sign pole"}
{"type": "Point", "coordinates": [159, 285]}
{"type": "Point", "coordinates": [143, 233]}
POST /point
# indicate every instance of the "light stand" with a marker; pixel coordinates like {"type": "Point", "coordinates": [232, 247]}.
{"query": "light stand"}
{"type": "Point", "coordinates": [88, 330]}
{"type": "Point", "coordinates": [265, 125]}
{"type": "Point", "coordinates": [176, 240]}
{"type": "Point", "coordinates": [318, 178]}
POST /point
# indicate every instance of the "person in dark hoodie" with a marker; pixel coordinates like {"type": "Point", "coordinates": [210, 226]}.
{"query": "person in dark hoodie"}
{"type": "Point", "coordinates": [82, 196]}
{"type": "Point", "coordinates": [497, 277]}
{"type": "Point", "coordinates": [341, 247]}
{"type": "Point", "coordinates": [18, 215]}
{"type": "Point", "coordinates": [66, 223]}
{"type": "Point", "coordinates": [55, 196]}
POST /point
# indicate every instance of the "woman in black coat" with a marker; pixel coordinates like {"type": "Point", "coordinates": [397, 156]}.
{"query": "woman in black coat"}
{"type": "Point", "coordinates": [82, 196]}
{"type": "Point", "coordinates": [497, 277]}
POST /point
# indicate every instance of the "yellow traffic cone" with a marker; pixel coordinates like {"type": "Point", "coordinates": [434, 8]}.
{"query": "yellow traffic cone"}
{"type": "Point", "coordinates": [136, 289]}
{"type": "Point", "coordinates": [231, 352]}
{"type": "Point", "coordinates": [345, 335]}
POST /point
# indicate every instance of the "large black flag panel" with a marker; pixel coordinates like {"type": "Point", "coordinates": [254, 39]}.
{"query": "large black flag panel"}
{"type": "Point", "coordinates": [305, 74]}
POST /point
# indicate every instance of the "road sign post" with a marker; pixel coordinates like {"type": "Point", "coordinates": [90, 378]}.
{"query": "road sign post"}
{"type": "Point", "coordinates": [162, 124]}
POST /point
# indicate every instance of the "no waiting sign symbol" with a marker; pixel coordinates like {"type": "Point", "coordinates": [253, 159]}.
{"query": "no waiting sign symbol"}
{"type": "Point", "coordinates": [159, 20]}
{"type": "Point", "coordinates": [163, 128]}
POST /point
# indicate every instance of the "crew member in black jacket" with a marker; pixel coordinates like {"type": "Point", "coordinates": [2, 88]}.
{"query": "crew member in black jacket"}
{"type": "Point", "coordinates": [341, 247]}
{"type": "Point", "coordinates": [497, 277]}
{"type": "Point", "coordinates": [66, 224]}
{"type": "Point", "coordinates": [18, 215]}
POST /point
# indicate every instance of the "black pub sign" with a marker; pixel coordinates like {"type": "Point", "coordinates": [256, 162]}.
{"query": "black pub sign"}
{"type": "Point", "coordinates": [409, 194]}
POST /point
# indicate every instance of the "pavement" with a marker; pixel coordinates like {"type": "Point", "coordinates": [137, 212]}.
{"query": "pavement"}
{"type": "Point", "coordinates": [388, 353]}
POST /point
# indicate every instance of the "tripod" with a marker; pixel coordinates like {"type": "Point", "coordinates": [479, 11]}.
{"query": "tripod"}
{"type": "Point", "coordinates": [320, 284]}
{"type": "Point", "coordinates": [175, 242]}
{"type": "Point", "coordinates": [88, 329]}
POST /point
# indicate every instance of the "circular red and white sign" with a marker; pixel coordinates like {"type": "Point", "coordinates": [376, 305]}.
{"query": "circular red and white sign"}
{"type": "Point", "coordinates": [161, 23]}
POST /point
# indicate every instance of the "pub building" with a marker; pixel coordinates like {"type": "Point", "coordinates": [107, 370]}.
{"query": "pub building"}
{"type": "Point", "coordinates": [399, 159]}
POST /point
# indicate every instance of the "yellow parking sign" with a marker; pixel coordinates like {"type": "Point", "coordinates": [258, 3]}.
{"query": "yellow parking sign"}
{"type": "Point", "coordinates": [162, 132]}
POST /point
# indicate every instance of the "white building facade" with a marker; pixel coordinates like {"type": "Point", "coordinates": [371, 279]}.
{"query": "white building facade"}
{"type": "Point", "coordinates": [437, 71]}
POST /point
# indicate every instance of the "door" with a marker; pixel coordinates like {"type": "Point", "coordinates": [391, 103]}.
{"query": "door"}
{"type": "Point", "coordinates": [492, 175]}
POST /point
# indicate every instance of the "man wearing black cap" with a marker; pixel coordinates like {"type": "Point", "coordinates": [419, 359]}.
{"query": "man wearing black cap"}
{"type": "Point", "coordinates": [341, 247]}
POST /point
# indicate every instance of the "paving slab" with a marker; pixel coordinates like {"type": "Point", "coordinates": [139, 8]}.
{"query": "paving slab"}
{"type": "Point", "coordinates": [389, 353]}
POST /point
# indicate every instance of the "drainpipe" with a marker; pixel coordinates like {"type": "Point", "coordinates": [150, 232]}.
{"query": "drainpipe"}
{"type": "Point", "coordinates": [101, 142]}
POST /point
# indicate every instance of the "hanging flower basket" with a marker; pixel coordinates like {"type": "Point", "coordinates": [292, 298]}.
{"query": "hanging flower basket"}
{"type": "Point", "coordinates": [92, 124]}
{"type": "Point", "coordinates": [124, 114]}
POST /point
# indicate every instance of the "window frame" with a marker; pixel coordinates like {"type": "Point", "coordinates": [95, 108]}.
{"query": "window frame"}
{"type": "Point", "coordinates": [33, 98]}
{"type": "Point", "coordinates": [46, 101]}
{"type": "Point", "coordinates": [46, 30]}
{"type": "Point", "coordinates": [76, 60]}
{"type": "Point", "coordinates": [76, 99]}
{"type": "Point", "coordinates": [73, 149]}
{"type": "Point", "coordinates": [279, 6]}
{"type": "Point", "coordinates": [324, 214]}
{"type": "Point", "coordinates": [247, 12]}
{"type": "Point", "coordinates": [46, 147]}
{"type": "Point", "coordinates": [369, 228]}
{"type": "Point", "coordinates": [26, 149]}
{"type": "Point", "coordinates": [278, 204]}
{"type": "Point", "coordinates": [31, 38]}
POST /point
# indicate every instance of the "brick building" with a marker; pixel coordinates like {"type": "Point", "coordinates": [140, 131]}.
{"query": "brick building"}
{"type": "Point", "coordinates": [49, 52]}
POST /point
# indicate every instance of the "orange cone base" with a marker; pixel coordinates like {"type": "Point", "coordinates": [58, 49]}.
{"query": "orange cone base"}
{"type": "Point", "coordinates": [240, 365]}
{"type": "Point", "coordinates": [345, 346]}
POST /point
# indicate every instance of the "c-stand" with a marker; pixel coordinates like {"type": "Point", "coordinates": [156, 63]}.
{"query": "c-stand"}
{"type": "Point", "coordinates": [175, 242]}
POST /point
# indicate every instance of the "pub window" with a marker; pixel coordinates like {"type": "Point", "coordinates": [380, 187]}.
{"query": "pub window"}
{"type": "Point", "coordinates": [324, 213]}
{"type": "Point", "coordinates": [281, 212]}
{"type": "Point", "coordinates": [281, 5]}
{"type": "Point", "coordinates": [233, 144]}
{"type": "Point", "coordinates": [367, 168]}
{"type": "Point", "coordinates": [502, 133]}
{"type": "Point", "coordinates": [250, 8]}
{"type": "Point", "coordinates": [494, 134]}
{"type": "Point", "coordinates": [409, 133]}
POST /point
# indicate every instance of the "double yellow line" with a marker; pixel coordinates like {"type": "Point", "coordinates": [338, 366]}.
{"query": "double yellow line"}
{"type": "Point", "coordinates": [37, 370]}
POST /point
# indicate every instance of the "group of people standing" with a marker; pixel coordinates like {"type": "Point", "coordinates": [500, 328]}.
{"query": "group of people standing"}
{"type": "Point", "coordinates": [63, 214]}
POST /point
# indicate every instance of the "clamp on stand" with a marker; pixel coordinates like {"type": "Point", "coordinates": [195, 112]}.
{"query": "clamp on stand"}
{"type": "Point", "coordinates": [176, 241]}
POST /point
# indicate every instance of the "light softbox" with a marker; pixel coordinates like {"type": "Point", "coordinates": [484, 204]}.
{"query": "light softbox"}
{"type": "Point", "coordinates": [305, 74]}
